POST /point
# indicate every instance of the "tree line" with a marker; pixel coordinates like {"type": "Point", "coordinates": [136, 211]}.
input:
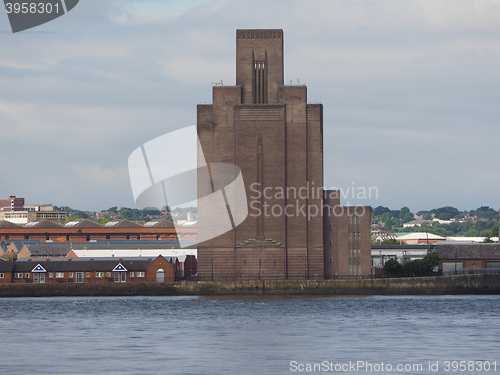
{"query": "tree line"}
{"type": "Point", "coordinates": [481, 222]}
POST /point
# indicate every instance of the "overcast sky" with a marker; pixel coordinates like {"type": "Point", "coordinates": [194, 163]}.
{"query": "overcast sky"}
{"type": "Point", "coordinates": [411, 93]}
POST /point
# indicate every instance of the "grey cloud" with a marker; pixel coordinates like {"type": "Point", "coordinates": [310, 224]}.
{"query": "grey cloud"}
{"type": "Point", "coordinates": [410, 93]}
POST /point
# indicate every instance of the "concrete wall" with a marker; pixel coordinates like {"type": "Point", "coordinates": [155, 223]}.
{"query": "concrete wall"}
{"type": "Point", "coordinates": [466, 284]}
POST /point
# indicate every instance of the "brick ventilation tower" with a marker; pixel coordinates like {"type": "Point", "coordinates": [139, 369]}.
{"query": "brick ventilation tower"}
{"type": "Point", "coordinates": [269, 131]}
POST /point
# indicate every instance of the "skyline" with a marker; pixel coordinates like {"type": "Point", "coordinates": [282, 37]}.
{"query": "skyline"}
{"type": "Point", "coordinates": [414, 86]}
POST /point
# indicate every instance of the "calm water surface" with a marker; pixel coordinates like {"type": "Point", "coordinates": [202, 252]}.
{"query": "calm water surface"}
{"type": "Point", "coordinates": [196, 335]}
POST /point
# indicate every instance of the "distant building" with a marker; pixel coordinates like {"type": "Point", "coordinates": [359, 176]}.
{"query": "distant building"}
{"type": "Point", "coordinates": [15, 211]}
{"type": "Point", "coordinates": [469, 239]}
{"type": "Point", "coordinates": [459, 258]}
{"type": "Point", "coordinates": [184, 259]}
{"type": "Point", "coordinates": [417, 223]}
{"type": "Point", "coordinates": [85, 230]}
{"type": "Point", "coordinates": [11, 204]}
{"type": "Point", "coordinates": [417, 238]}
{"type": "Point", "coordinates": [380, 254]}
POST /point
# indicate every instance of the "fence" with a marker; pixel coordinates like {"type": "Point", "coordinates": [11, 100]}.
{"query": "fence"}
{"type": "Point", "coordinates": [473, 271]}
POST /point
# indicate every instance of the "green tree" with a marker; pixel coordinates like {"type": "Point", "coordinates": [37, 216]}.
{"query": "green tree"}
{"type": "Point", "coordinates": [392, 268]}
{"type": "Point", "coordinates": [430, 261]}
{"type": "Point", "coordinates": [421, 267]}
{"type": "Point", "coordinates": [405, 215]}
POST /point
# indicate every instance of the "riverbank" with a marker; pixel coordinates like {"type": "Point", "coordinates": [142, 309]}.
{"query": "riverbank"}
{"type": "Point", "coordinates": [462, 284]}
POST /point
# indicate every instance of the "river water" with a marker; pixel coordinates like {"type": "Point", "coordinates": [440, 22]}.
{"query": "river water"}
{"type": "Point", "coordinates": [250, 335]}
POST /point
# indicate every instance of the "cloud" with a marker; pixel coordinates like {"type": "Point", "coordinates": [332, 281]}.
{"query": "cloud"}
{"type": "Point", "coordinates": [410, 91]}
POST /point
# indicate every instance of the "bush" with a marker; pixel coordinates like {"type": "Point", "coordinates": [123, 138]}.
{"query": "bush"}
{"type": "Point", "coordinates": [392, 268]}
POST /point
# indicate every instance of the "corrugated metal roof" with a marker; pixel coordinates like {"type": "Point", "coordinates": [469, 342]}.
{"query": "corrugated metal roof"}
{"type": "Point", "coordinates": [83, 264]}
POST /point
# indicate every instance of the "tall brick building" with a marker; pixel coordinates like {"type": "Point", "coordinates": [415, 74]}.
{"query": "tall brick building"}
{"type": "Point", "coordinates": [275, 138]}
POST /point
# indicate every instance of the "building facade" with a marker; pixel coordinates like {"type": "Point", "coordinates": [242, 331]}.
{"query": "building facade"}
{"type": "Point", "coordinates": [15, 211]}
{"type": "Point", "coordinates": [347, 238]}
{"type": "Point", "coordinates": [269, 131]}
{"type": "Point", "coordinates": [12, 203]}
{"type": "Point", "coordinates": [76, 270]}
{"type": "Point", "coordinates": [467, 258]}
{"type": "Point", "coordinates": [82, 230]}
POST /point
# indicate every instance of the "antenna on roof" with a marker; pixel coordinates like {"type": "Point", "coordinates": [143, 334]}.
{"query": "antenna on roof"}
{"type": "Point", "coordinates": [218, 83]}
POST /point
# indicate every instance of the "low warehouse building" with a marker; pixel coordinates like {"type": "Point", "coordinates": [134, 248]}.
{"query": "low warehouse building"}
{"type": "Point", "coordinates": [85, 270]}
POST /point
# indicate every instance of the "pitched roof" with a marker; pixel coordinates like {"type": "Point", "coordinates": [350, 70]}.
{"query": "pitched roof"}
{"type": "Point", "coordinates": [454, 250]}
{"type": "Point", "coordinates": [134, 252]}
{"type": "Point", "coordinates": [49, 249]}
{"type": "Point", "coordinates": [83, 264]}
{"type": "Point", "coordinates": [42, 224]}
{"type": "Point", "coordinates": [162, 223]}
{"type": "Point", "coordinates": [147, 245]}
{"type": "Point", "coordinates": [82, 223]}
{"type": "Point", "coordinates": [122, 223]}
{"type": "Point", "coordinates": [6, 266]}
{"type": "Point", "coordinates": [9, 225]}
{"type": "Point", "coordinates": [420, 236]}
{"type": "Point", "coordinates": [18, 244]}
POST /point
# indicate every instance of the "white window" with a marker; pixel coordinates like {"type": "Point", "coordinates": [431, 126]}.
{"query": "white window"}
{"type": "Point", "coordinates": [18, 275]}
{"type": "Point", "coordinates": [330, 225]}
{"type": "Point", "coordinates": [27, 275]}
{"type": "Point", "coordinates": [108, 274]}
{"type": "Point", "coordinates": [51, 275]}
{"type": "Point", "coordinates": [131, 274]}
{"type": "Point", "coordinates": [331, 242]}
{"type": "Point", "coordinates": [87, 275]}
{"type": "Point", "coordinates": [99, 274]}
{"type": "Point", "coordinates": [331, 259]}
{"type": "Point", "coordinates": [1, 275]}
{"type": "Point", "coordinates": [59, 275]}
{"type": "Point", "coordinates": [350, 253]}
{"type": "Point", "coordinates": [350, 270]}
{"type": "Point", "coordinates": [359, 270]}
{"type": "Point", "coordinates": [140, 274]}
{"type": "Point", "coordinates": [359, 253]}
{"type": "Point", "coordinates": [70, 275]}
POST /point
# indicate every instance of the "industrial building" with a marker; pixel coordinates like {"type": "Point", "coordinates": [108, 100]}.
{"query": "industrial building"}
{"type": "Point", "coordinates": [294, 229]}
